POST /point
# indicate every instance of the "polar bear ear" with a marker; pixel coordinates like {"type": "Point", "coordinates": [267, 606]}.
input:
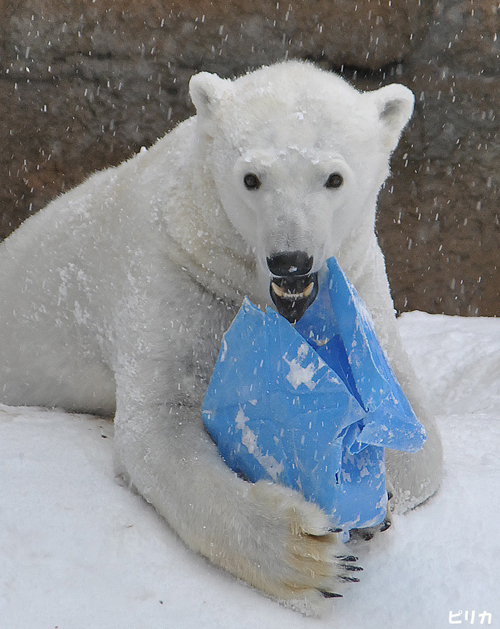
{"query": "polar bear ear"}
{"type": "Point", "coordinates": [395, 107]}
{"type": "Point", "coordinates": [206, 91]}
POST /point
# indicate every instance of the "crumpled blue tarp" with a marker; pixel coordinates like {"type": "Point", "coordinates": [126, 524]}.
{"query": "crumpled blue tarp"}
{"type": "Point", "coordinates": [312, 406]}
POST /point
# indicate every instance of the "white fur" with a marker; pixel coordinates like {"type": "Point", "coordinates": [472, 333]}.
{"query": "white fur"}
{"type": "Point", "coordinates": [122, 288]}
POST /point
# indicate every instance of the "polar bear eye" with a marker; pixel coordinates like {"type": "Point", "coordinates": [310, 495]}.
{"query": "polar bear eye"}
{"type": "Point", "coordinates": [335, 180]}
{"type": "Point", "coordinates": [251, 181]}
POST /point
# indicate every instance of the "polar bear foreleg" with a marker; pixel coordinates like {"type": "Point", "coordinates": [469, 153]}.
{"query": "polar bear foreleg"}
{"type": "Point", "coordinates": [263, 533]}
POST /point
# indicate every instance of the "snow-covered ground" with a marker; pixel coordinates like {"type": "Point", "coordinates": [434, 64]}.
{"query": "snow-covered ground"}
{"type": "Point", "coordinates": [78, 551]}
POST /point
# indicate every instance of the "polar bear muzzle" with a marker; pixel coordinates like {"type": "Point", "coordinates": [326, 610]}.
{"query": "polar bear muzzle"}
{"type": "Point", "coordinates": [293, 287]}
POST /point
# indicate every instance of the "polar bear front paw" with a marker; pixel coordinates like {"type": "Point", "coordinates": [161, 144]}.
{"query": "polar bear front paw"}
{"type": "Point", "coordinates": [302, 562]}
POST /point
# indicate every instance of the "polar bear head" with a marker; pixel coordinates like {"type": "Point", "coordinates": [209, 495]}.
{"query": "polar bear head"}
{"type": "Point", "coordinates": [297, 157]}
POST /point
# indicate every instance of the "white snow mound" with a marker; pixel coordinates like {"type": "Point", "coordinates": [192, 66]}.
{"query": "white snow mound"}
{"type": "Point", "coordinates": [79, 551]}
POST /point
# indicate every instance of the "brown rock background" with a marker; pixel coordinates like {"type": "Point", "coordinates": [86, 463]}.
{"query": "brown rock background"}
{"type": "Point", "coordinates": [86, 83]}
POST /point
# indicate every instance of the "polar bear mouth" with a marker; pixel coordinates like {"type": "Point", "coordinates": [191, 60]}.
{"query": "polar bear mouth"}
{"type": "Point", "coordinates": [293, 295]}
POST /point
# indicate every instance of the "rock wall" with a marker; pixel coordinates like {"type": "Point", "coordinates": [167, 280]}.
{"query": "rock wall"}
{"type": "Point", "coordinates": [440, 226]}
{"type": "Point", "coordinates": [86, 83]}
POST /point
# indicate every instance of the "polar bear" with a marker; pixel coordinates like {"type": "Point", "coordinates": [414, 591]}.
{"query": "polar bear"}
{"type": "Point", "coordinates": [114, 300]}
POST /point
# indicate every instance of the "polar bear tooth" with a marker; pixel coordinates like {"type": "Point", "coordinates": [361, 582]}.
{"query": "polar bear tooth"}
{"type": "Point", "coordinates": [292, 296]}
{"type": "Point", "coordinates": [308, 290]}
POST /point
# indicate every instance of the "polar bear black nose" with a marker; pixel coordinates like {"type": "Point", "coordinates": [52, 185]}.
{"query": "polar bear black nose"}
{"type": "Point", "coordinates": [286, 263]}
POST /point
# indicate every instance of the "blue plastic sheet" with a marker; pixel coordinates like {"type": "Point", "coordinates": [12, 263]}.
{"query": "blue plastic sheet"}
{"type": "Point", "coordinates": [312, 406]}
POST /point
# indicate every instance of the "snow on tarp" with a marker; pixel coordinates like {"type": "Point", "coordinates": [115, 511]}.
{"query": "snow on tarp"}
{"type": "Point", "coordinates": [312, 406]}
